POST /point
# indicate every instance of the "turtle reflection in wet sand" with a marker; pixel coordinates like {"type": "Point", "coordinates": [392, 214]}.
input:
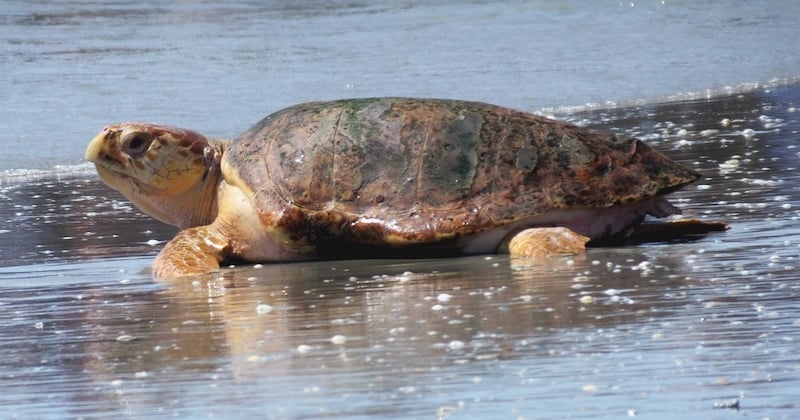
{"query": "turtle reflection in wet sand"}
{"type": "Point", "coordinates": [388, 177]}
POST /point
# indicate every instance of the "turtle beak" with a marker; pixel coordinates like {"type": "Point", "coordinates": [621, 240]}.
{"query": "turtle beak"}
{"type": "Point", "coordinates": [104, 162]}
{"type": "Point", "coordinates": [95, 150]}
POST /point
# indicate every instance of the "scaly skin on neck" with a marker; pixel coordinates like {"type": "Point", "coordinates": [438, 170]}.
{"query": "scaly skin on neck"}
{"type": "Point", "coordinates": [202, 198]}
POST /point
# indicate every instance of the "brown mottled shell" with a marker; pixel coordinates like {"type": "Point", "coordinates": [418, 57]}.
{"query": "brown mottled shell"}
{"type": "Point", "coordinates": [395, 171]}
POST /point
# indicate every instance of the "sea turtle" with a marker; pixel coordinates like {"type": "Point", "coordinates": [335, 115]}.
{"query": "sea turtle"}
{"type": "Point", "coordinates": [384, 176]}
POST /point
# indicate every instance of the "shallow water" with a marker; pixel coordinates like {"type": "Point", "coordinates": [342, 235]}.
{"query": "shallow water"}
{"type": "Point", "coordinates": [691, 328]}
{"type": "Point", "coordinates": [659, 329]}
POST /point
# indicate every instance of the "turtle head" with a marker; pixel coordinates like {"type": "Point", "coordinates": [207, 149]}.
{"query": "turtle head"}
{"type": "Point", "coordinates": [169, 173]}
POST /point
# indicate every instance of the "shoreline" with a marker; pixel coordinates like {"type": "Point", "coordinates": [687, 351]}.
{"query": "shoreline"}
{"type": "Point", "coordinates": [11, 176]}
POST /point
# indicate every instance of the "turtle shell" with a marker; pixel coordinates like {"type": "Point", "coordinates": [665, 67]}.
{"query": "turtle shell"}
{"type": "Point", "coordinates": [400, 171]}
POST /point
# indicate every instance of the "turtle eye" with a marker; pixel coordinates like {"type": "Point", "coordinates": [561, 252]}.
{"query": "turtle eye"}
{"type": "Point", "coordinates": [137, 143]}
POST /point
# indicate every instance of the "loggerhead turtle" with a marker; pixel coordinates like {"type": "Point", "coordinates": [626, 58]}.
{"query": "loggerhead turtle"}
{"type": "Point", "coordinates": [380, 176]}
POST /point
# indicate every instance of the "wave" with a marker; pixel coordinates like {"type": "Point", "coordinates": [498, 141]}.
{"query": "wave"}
{"type": "Point", "coordinates": [8, 176]}
{"type": "Point", "coordinates": [741, 88]}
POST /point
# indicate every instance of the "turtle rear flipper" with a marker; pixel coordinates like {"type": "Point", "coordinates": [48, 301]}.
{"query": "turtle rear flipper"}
{"type": "Point", "coordinates": [674, 230]}
{"type": "Point", "coordinates": [671, 231]}
{"type": "Point", "coordinates": [545, 242]}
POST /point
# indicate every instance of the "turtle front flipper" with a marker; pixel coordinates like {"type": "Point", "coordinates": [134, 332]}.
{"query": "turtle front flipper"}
{"type": "Point", "coordinates": [194, 251]}
{"type": "Point", "coordinates": [546, 242]}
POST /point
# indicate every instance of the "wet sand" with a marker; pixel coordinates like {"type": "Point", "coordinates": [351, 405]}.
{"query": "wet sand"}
{"type": "Point", "coordinates": [706, 328]}
{"type": "Point", "coordinates": [692, 328]}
